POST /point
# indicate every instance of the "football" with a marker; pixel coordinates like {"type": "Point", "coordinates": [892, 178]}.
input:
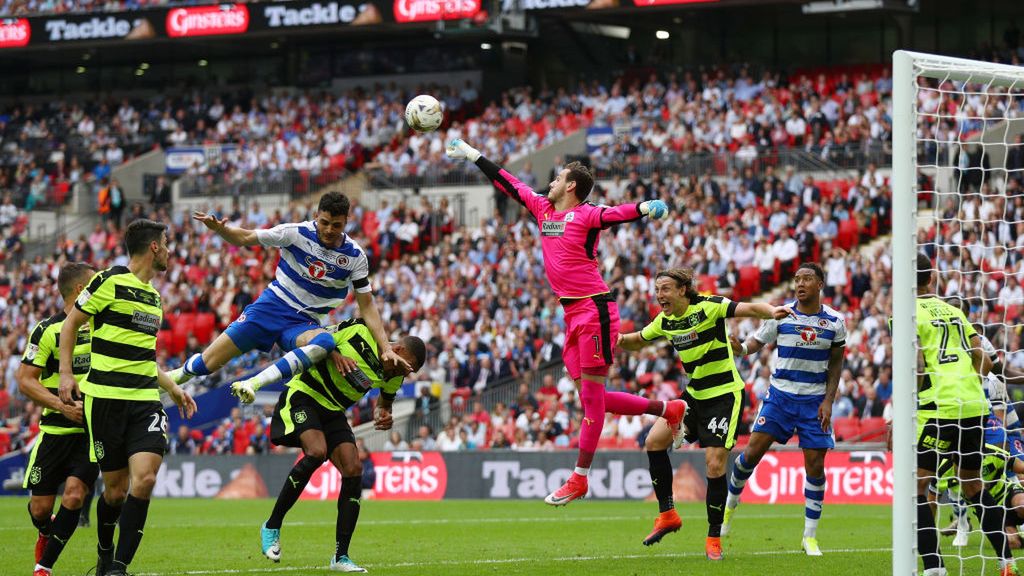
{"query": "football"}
{"type": "Point", "coordinates": [423, 113]}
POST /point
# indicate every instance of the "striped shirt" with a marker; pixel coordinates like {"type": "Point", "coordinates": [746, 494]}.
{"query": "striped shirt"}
{"type": "Point", "coordinates": [701, 338]}
{"type": "Point", "coordinates": [335, 392]}
{"type": "Point", "coordinates": [312, 278]}
{"type": "Point", "coordinates": [126, 316]}
{"type": "Point", "coordinates": [42, 352]}
{"type": "Point", "coordinates": [804, 345]}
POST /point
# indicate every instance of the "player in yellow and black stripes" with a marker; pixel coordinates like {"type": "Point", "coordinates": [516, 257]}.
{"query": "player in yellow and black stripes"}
{"type": "Point", "coordinates": [696, 327]}
{"type": "Point", "coordinates": [61, 450]}
{"type": "Point", "coordinates": [124, 417]}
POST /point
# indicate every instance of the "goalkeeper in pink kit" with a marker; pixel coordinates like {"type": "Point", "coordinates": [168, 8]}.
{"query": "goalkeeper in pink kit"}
{"type": "Point", "coordinates": [570, 229]}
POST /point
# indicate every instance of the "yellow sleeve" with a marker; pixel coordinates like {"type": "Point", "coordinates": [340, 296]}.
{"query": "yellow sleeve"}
{"type": "Point", "coordinates": [653, 330]}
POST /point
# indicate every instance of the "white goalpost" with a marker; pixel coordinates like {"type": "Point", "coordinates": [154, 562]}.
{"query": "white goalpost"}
{"type": "Point", "coordinates": [955, 124]}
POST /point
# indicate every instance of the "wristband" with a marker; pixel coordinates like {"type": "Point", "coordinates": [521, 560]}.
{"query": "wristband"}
{"type": "Point", "coordinates": [743, 348]}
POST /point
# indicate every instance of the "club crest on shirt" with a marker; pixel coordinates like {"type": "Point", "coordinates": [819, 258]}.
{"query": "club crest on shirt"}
{"type": "Point", "coordinates": [97, 447]}
{"type": "Point", "coordinates": [300, 416]}
{"type": "Point", "coordinates": [570, 216]}
{"type": "Point", "coordinates": [317, 268]}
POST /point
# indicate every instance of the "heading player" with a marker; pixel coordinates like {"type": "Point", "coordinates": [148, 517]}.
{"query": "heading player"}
{"type": "Point", "coordinates": [696, 327]}
{"type": "Point", "coordinates": [570, 229]}
{"type": "Point", "coordinates": [310, 414]}
{"type": "Point", "coordinates": [318, 264]}
{"type": "Point", "coordinates": [808, 361]}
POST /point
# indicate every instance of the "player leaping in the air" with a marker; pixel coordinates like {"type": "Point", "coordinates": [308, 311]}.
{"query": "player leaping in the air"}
{"type": "Point", "coordinates": [696, 327]}
{"type": "Point", "coordinates": [570, 229]}
{"type": "Point", "coordinates": [809, 359]}
{"type": "Point", "coordinates": [318, 264]}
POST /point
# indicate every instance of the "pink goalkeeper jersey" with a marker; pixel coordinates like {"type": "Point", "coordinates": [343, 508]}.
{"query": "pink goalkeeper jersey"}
{"type": "Point", "coordinates": [569, 238]}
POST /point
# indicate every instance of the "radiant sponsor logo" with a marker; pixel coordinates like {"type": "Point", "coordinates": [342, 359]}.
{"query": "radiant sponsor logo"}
{"type": "Point", "coordinates": [14, 32]}
{"type": "Point", "coordinates": [207, 20]}
{"type": "Point", "coordinates": [82, 361]}
{"type": "Point", "coordinates": [680, 341]}
{"type": "Point", "coordinates": [431, 10]}
{"type": "Point", "coordinates": [552, 228]}
{"type": "Point", "coordinates": [146, 320]}
{"type": "Point", "coordinates": [316, 14]}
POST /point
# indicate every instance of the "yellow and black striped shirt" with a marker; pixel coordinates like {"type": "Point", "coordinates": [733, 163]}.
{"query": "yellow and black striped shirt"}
{"type": "Point", "coordinates": [126, 317]}
{"type": "Point", "coordinates": [701, 339]}
{"type": "Point", "coordinates": [42, 352]}
{"type": "Point", "coordinates": [335, 392]}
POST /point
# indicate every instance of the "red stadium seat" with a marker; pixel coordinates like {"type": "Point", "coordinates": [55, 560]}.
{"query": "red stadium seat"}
{"type": "Point", "coordinates": [749, 282]}
{"type": "Point", "coordinates": [872, 429]}
{"type": "Point", "coordinates": [708, 284]}
{"type": "Point", "coordinates": [845, 428]}
{"type": "Point", "coordinates": [203, 329]}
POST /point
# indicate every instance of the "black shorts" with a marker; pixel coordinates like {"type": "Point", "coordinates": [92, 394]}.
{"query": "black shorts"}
{"type": "Point", "coordinates": [55, 457]}
{"type": "Point", "coordinates": [959, 440]}
{"type": "Point", "coordinates": [121, 428]}
{"type": "Point", "coordinates": [297, 412]}
{"type": "Point", "coordinates": [713, 422]}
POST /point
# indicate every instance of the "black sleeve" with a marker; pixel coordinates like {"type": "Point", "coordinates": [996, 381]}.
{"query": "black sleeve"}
{"type": "Point", "coordinates": [730, 312]}
{"type": "Point", "coordinates": [386, 396]}
{"type": "Point", "coordinates": [490, 169]}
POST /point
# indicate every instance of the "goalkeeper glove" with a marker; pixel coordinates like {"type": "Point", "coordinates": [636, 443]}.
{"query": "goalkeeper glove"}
{"type": "Point", "coordinates": [245, 391]}
{"type": "Point", "coordinates": [458, 149]}
{"type": "Point", "coordinates": [656, 209]}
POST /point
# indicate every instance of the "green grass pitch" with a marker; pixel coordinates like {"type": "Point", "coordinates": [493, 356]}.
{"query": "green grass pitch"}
{"type": "Point", "coordinates": [475, 537]}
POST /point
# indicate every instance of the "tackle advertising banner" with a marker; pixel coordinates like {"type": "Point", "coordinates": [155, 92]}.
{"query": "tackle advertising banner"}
{"type": "Point", "coordinates": [226, 19]}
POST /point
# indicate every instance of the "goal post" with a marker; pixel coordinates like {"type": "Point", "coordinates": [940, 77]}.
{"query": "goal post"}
{"type": "Point", "coordinates": [916, 127]}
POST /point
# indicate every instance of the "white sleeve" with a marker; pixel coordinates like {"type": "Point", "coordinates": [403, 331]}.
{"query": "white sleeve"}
{"type": "Point", "coordinates": [767, 332]}
{"type": "Point", "coordinates": [840, 332]}
{"type": "Point", "coordinates": [988, 348]}
{"type": "Point", "coordinates": [279, 236]}
{"type": "Point", "coordinates": [997, 394]}
{"type": "Point", "coordinates": [361, 275]}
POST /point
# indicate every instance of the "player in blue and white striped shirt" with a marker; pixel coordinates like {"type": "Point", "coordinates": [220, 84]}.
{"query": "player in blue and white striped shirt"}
{"type": "Point", "coordinates": [318, 265]}
{"type": "Point", "coordinates": [809, 358]}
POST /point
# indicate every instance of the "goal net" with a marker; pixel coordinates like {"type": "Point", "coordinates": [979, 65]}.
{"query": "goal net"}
{"type": "Point", "coordinates": [957, 182]}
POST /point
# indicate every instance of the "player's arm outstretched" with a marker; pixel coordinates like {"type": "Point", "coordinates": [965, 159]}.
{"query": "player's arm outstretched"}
{"type": "Point", "coordinates": [368, 311]}
{"type": "Point", "coordinates": [232, 234]}
{"type": "Point", "coordinates": [512, 187]}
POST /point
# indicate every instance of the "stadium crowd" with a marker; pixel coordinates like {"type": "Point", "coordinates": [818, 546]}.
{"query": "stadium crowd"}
{"type": "Point", "coordinates": [477, 294]}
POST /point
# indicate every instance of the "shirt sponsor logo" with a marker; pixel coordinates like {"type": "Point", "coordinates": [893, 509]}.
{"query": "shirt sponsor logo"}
{"type": "Point", "coordinates": [14, 32]}
{"type": "Point", "coordinates": [680, 341]}
{"type": "Point", "coordinates": [808, 334]}
{"type": "Point", "coordinates": [146, 320]}
{"type": "Point", "coordinates": [207, 20]}
{"type": "Point", "coordinates": [551, 228]}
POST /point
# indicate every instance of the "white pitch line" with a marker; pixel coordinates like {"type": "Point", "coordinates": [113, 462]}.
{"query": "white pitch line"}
{"type": "Point", "coordinates": [449, 521]}
{"type": "Point", "coordinates": [483, 562]}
